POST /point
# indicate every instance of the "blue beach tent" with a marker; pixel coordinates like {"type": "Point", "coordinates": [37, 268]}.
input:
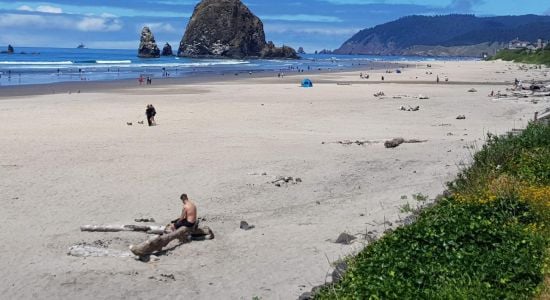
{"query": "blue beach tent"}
{"type": "Point", "coordinates": [307, 83]}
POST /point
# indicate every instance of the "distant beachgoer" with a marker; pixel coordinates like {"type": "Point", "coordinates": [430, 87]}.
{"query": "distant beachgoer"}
{"type": "Point", "coordinates": [492, 94]}
{"type": "Point", "coordinates": [437, 79]}
{"type": "Point", "coordinates": [140, 80]}
{"type": "Point", "coordinates": [383, 78]}
{"type": "Point", "coordinates": [150, 113]}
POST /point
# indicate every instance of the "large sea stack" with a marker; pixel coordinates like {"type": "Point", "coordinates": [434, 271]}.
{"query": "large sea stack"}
{"type": "Point", "coordinates": [227, 29]}
{"type": "Point", "coordinates": [148, 47]}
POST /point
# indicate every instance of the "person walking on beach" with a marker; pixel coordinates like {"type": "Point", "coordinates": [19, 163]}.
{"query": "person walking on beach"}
{"type": "Point", "coordinates": [150, 113]}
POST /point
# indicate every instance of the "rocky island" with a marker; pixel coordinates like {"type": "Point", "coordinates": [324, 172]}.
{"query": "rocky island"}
{"type": "Point", "coordinates": [167, 50]}
{"type": "Point", "coordinates": [9, 51]}
{"type": "Point", "coordinates": [148, 47]}
{"type": "Point", "coordinates": [228, 29]}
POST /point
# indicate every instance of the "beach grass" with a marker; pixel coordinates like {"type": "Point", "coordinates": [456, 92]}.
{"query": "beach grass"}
{"type": "Point", "coordinates": [487, 239]}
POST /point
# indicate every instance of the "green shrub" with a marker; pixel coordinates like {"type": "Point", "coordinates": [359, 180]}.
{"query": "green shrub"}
{"type": "Point", "coordinates": [524, 56]}
{"type": "Point", "coordinates": [488, 240]}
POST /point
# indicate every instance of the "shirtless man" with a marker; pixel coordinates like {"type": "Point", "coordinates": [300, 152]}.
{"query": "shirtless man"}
{"type": "Point", "coordinates": [188, 216]}
{"type": "Point", "coordinates": [181, 229]}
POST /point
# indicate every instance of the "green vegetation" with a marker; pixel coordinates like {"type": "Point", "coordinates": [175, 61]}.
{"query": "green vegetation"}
{"type": "Point", "coordinates": [489, 239]}
{"type": "Point", "coordinates": [541, 56]}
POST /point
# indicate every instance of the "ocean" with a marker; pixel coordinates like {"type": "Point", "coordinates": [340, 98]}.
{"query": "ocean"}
{"type": "Point", "coordinates": [53, 65]}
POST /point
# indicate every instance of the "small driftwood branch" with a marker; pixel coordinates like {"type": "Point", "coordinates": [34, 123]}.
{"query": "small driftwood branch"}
{"type": "Point", "coordinates": [150, 229]}
{"type": "Point", "coordinates": [91, 251]}
{"type": "Point", "coordinates": [398, 141]}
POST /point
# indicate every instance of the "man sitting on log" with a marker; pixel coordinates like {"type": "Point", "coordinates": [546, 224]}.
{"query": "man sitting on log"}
{"type": "Point", "coordinates": [182, 229]}
{"type": "Point", "coordinates": [188, 216]}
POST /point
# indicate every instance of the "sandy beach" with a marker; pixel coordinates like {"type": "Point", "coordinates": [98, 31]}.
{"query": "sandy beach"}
{"type": "Point", "coordinates": [70, 159]}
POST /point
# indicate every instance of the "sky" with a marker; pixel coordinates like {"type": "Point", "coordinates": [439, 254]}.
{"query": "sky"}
{"type": "Point", "coordinates": [311, 24]}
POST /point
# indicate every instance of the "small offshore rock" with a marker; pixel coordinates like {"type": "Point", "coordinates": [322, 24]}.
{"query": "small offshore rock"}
{"type": "Point", "coordinates": [167, 50]}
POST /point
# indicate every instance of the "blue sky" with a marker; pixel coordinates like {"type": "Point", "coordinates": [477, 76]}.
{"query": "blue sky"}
{"type": "Point", "coordinates": [312, 24]}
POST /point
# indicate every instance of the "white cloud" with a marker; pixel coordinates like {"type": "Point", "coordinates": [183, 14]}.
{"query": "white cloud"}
{"type": "Point", "coordinates": [108, 15]}
{"type": "Point", "coordinates": [49, 9]}
{"type": "Point", "coordinates": [303, 18]}
{"type": "Point", "coordinates": [20, 20]}
{"type": "Point", "coordinates": [99, 24]}
{"type": "Point", "coordinates": [327, 31]}
{"type": "Point", "coordinates": [42, 8]}
{"type": "Point", "coordinates": [25, 8]}
{"type": "Point", "coordinates": [56, 21]}
{"type": "Point", "coordinates": [158, 27]}
{"type": "Point", "coordinates": [134, 44]}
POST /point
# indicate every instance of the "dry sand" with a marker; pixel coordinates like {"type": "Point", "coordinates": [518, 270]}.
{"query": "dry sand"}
{"type": "Point", "coordinates": [70, 159]}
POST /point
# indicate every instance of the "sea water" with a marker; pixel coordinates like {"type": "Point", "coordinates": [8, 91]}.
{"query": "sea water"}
{"type": "Point", "coordinates": [52, 65]}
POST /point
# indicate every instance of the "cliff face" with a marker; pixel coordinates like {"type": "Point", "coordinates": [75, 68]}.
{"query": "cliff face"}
{"type": "Point", "coordinates": [452, 35]}
{"type": "Point", "coordinates": [148, 47]}
{"type": "Point", "coordinates": [227, 28]}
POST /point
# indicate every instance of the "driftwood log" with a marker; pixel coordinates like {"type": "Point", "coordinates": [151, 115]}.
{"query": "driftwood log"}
{"type": "Point", "coordinates": [91, 251]}
{"type": "Point", "coordinates": [150, 229]}
{"type": "Point", "coordinates": [398, 141]}
{"type": "Point", "coordinates": [183, 234]}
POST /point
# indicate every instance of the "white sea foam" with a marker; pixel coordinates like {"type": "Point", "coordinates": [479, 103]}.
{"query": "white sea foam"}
{"type": "Point", "coordinates": [36, 63]}
{"type": "Point", "coordinates": [113, 62]}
